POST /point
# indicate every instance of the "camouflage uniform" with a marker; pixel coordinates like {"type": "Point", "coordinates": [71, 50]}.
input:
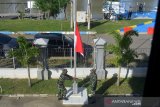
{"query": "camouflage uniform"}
{"type": "Point", "coordinates": [93, 81]}
{"type": "Point", "coordinates": [61, 88]}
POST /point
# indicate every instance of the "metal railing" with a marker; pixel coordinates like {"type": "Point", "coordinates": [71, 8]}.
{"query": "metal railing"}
{"type": "Point", "coordinates": [5, 61]}
{"type": "Point", "coordinates": [63, 57]}
{"type": "Point", "coordinates": [141, 61]}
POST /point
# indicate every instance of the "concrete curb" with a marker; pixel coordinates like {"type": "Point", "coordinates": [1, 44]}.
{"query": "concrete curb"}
{"type": "Point", "coordinates": [35, 32]}
{"type": "Point", "coordinates": [7, 32]}
{"type": "Point", "coordinates": [27, 95]}
{"type": "Point", "coordinates": [62, 32]}
{"type": "Point", "coordinates": [54, 95]}
{"type": "Point", "coordinates": [138, 33]}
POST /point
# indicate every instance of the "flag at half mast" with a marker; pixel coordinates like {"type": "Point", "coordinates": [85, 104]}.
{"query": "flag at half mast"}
{"type": "Point", "coordinates": [78, 46]}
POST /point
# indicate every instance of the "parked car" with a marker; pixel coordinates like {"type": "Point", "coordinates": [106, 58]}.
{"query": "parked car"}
{"type": "Point", "coordinates": [56, 40]}
{"type": "Point", "coordinates": [6, 43]}
{"type": "Point", "coordinates": [58, 44]}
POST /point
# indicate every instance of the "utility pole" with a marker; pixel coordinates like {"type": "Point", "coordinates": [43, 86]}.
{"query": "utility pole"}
{"type": "Point", "coordinates": [71, 14]}
{"type": "Point", "coordinates": [89, 14]}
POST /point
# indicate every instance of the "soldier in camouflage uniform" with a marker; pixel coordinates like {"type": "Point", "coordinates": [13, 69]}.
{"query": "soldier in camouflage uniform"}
{"type": "Point", "coordinates": [93, 81]}
{"type": "Point", "coordinates": [61, 88]}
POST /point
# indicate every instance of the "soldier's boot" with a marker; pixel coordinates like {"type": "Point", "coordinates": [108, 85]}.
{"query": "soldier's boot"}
{"type": "Point", "coordinates": [64, 94]}
{"type": "Point", "coordinates": [65, 98]}
{"type": "Point", "coordinates": [60, 97]}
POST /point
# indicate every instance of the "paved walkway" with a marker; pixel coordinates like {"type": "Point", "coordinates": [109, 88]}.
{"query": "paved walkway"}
{"type": "Point", "coordinates": [50, 101]}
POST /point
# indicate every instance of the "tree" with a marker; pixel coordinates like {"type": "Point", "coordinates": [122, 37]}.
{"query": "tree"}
{"type": "Point", "coordinates": [25, 54]}
{"type": "Point", "coordinates": [64, 5]}
{"type": "Point", "coordinates": [123, 54]}
{"type": "Point", "coordinates": [53, 6]}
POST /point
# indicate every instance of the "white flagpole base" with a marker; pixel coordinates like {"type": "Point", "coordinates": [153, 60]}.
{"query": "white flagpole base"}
{"type": "Point", "coordinates": [81, 98]}
{"type": "Point", "coordinates": [75, 87]}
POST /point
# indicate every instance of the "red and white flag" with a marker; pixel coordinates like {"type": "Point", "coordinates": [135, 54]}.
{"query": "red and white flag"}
{"type": "Point", "coordinates": [78, 46]}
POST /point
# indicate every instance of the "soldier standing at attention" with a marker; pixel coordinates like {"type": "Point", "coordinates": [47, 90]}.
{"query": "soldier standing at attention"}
{"type": "Point", "coordinates": [62, 91]}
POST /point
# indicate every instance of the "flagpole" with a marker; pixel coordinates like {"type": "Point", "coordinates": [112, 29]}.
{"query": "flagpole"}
{"type": "Point", "coordinates": [75, 86]}
{"type": "Point", "coordinates": [74, 13]}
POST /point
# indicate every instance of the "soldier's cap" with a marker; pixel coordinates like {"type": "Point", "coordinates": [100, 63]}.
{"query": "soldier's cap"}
{"type": "Point", "coordinates": [93, 70]}
{"type": "Point", "coordinates": [64, 70]}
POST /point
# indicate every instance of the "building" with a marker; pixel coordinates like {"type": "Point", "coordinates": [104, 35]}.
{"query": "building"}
{"type": "Point", "coordinates": [146, 5]}
{"type": "Point", "coordinates": [12, 6]}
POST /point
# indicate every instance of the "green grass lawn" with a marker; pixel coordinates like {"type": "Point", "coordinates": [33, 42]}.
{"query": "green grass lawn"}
{"type": "Point", "coordinates": [100, 27]}
{"type": "Point", "coordinates": [105, 87]}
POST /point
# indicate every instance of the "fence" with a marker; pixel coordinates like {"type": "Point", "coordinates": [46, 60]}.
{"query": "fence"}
{"type": "Point", "coordinates": [140, 61]}
{"type": "Point", "coordinates": [56, 58]}
{"type": "Point", "coordinates": [63, 57]}
{"type": "Point", "coordinates": [21, 73]}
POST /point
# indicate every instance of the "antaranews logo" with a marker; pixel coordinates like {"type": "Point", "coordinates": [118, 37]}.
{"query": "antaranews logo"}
{"type": "Point", "coordinates": [122, 102]}
{"type": "Point", "coordinates": [132, 102]}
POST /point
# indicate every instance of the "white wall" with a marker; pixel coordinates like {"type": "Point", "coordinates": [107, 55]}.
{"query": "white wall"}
{"type": "Point", "coordinates": [81, 72]}
{"type": "Point", "coordinates": [17, 73]}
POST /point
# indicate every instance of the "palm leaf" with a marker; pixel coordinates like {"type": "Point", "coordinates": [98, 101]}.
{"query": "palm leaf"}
{"type": "Point", "coordinates": [114, 49]}
{"type": "Point", "coordinates": [117, 37]}
{"type": "Point", "coordinates": [131, 33]}
{"type": "Point", "coordinates": [127, 39]}
{"type": "Point", "coordinates": [121, 49]}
